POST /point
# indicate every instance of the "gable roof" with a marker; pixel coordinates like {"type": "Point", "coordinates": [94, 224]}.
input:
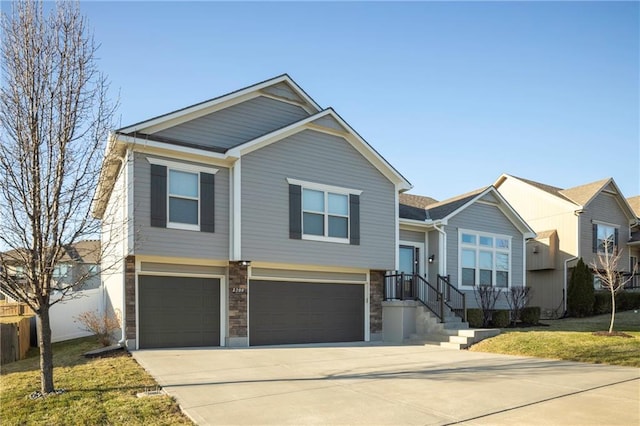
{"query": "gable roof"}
{"type": "Point", "coordinates": [580, 195]}
{"type": "Point", "coordinates": [446, 208]}
{"type": "Point", "coordinates": [349, 134]}
{"type": "Point", "coordinates": [185, 113]}
{"type": "Point", "coordinates": [634, 202]}
{"type": "Point", "coordinates": [326, 120]}
{"type": "Point", "coordinates": [441, 211]}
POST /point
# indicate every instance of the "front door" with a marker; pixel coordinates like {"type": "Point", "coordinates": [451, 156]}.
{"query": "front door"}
{"type": "Point", "coordinates": [409, 265]}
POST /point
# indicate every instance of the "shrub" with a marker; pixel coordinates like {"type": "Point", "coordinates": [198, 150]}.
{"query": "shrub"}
{"type": "Point", "coordinates": [580, 295]}
{"type": "Point", "coordinates": [486, 297]}
{"type": "Point", "coordinates": [101, 324]}
{"type": "Point", "coordinates": [530, 315]}
{"type": "Point", "coordinates": [501, 318]}
{"type": "Point", "coordinates": [474, 318]}
{"type": "Point", "coordinates": [625, 301]}
{"type": "Point", "coordinates": [602, 303]}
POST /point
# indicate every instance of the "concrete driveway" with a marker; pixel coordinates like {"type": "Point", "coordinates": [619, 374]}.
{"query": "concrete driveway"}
{"type": "Point", "coordinates": [378, 384]}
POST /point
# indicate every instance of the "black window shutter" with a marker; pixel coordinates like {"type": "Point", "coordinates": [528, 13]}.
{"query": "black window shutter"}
{"type": "Point", "coordinates": [615, 238]}
{"type": "Point", "coordinates": [207, 202]}
{"type": "Point", "coordinates": [295, 212]}
{"type": "Point", "coordinates": [595, 237]}
{"type": "Point", "coordinates": [354, 219]}
{"type": "Point", "coordinates": [158, 196]}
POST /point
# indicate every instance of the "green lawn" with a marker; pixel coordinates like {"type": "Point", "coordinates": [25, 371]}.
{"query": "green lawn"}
{"type": "Point", "coordinates": [98, 391]}
{"type": "Point", "coordinates": [572, 339]}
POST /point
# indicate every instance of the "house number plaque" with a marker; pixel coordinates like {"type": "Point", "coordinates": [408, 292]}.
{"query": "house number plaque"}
{"type": "Point", "coordinates": [238, 290]}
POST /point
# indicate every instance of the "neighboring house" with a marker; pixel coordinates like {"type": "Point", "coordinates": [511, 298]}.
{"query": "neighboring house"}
{"type": "Point", "coordinates": [469, 240]}
{"type": "Point", "coordinates": [634, 243]}
{"type": "Point", "coordinates": [254, 218]}
{"type": "Point", "coordinates": [80, 263]}
{"type": "Point", "coordinates": [571, 224]}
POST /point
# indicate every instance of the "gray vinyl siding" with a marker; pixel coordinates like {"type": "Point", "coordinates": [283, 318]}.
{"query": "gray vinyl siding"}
{"type": "Point", "coordinates": [329, 122]}
{"type": "Point", "coordinates": [433, 249]}
{"type": "Point", "coordinates": [284, 91]}
{"type": "Point", "coordinates": [175, 242]}
{"type": "Point", "coordinates": [236, 124]}
{"type": "Point", "coordinates": [603, 208]}
{"type": "Point", "coordinates": [484, 218]}
{"type": "Point", "coordinates": [325, 159]}
{"type": "Point", "coordinates": [411, 236]}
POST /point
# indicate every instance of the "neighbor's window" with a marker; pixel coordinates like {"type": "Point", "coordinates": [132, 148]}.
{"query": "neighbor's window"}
{"type": "Point", "coordinates": [325, 214]}
{"type": "Point", "coordinates": [485, 259]}
{"type": "Point", "coordinates": [183, 198]}
{"type": "Point", "coordinates": [606, 237]}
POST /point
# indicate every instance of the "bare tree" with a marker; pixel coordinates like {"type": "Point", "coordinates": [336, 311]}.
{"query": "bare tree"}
{"type": "Point", "coordinates": [486, 297]}
{"type": "Point", "coordinates": [54, 121]}
{"type": "Point", "coordinates": [606, 267]}
{"type": "Point", "coordinates": [518, 298]}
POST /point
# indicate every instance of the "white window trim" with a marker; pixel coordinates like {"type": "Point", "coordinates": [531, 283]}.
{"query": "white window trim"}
{"type": "Point", "coordinates": [188, 168]}
{"type": "Point", "coordinates": [322, 187]}
{"type": "Point", "coordinates": [177, 165]}
{"type": "Point", "coordinates": [478, 248]}
{"type": "Point", "coordinates": [326, 189]}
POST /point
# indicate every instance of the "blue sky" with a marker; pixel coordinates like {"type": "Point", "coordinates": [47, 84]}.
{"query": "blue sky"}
{"type": "Point", "coordinates": [451, 94]}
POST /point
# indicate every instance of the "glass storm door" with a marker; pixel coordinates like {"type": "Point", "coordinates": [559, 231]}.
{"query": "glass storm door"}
{"type": "Point", "coordinates": [409, 265]}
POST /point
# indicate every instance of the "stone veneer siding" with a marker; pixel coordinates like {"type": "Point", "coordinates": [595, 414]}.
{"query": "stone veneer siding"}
{"type": "Point", "coordinates": [376, 290]}
{"type": "Point", "coordinates": [238, 275]}
{"type": "Point", "coordinates": [130, 297]}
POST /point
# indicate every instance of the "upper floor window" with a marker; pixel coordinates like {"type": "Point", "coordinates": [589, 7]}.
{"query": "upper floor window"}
{"type": "Point", "coordinates": [182, 195]}
{"type": "Point", "coordinates": [485, 259]}
{"type": "Point", "coordinates": [605, 238]}
{"type": "Point", "coordinates": [324, 212]}
{"type": "Point", "coordinates": [184, 198]}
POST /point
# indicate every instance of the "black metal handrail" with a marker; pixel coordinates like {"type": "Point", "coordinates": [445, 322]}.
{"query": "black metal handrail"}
{"type": "Point", "coordinates": [453, 298]}
{"type": "Point", "coordinates": [403, 286]}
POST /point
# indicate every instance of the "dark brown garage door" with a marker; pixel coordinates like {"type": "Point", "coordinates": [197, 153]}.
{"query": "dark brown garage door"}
{"type": "Point", "coordinates": [178, 311]}
{"type": "Point", "coordinates": [285, 312]}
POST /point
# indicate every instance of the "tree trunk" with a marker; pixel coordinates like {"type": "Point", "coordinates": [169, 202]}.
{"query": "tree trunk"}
{"type": "Point", "coordinates": [46, 350]}
{"type": "Point", "coordinates": [613, 310]}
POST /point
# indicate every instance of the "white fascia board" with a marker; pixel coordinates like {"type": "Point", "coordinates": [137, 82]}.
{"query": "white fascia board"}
{"type": "Point", "coordinates": [417, 223]}
{"type": "Point", "coordinates": [353, 138]}
{"type": "Point", "coordinates": [135, 142]}
{"type": "Point", "coordinates": [197, 110]}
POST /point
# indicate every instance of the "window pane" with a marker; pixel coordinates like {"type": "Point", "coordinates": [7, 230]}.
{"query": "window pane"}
{"type": "Point", "coordinates": [338, 227]}
{"type": "Point", "coordinates": [486, 260]}
{"type": "Point", "coordinates": [313, 224]}
{"type": "Point", "coordinates": [468, 239]}
{"type": "Point", "coordinates": [486, 241]}
{"type": "Point", "coordinates": [338, 204]}
{"type": "Point", "coordinates": [502, 262]}
{"type": "Point", "coordinates": [183, 183]}
{"type": "Point", "coordinates": [502, 279]}
{"type": "Point", "coordinates": [606, 236]}
{"type": "Point", "coordinates": [183, 211]}
{"type": "Point", "coordinates": [502, 243]}
{"type": "Point", "coordinates": [313, 200]}
{"type": "Point", "coordinates": [468, 276]}
{"type": "Point", "coordinates": [468, 258]}
{"type": "Point", "coordinates": [486, 277]}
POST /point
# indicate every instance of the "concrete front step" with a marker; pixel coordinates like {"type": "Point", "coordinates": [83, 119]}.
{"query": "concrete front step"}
{"type": "Point", "coordinates": [453, 339]}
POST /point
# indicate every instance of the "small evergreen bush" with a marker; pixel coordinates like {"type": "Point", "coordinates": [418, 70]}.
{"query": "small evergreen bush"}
{"type": "Point", "coordinates": [580, 295]}
{"type": "Point", "coordinates": [475, 318]}
{"type": "Point", "coordinates": [501, 318]}
{"type": "Point", "coordinates": [625, 301]}
{"type": "Point", "coordinates": [530, 315]}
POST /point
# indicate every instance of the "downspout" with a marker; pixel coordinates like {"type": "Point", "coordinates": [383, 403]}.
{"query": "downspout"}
{"type": "Point", "coordinates": [443, 250]}
{"type": "Point", "coordinates": [123, 337]}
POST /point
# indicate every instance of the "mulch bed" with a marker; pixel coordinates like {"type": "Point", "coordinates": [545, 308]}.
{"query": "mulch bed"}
{"type": "Point", "coordinates": [612, 334]}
